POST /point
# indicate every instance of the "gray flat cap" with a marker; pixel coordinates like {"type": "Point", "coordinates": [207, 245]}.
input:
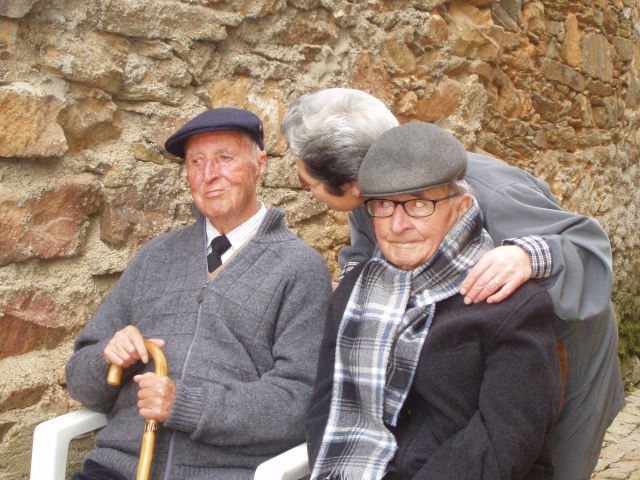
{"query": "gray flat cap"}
{"type": "Point", "coordinates": [410, 158]}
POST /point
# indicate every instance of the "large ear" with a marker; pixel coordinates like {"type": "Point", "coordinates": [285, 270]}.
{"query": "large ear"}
{"type": "Point", "coordinates": [463, 204]}
{"type": "Point", "coordinates": [261, 160]}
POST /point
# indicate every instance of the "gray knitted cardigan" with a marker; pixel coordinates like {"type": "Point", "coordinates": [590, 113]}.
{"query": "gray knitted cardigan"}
{"type": "Point", "coordinates": [243, 358]}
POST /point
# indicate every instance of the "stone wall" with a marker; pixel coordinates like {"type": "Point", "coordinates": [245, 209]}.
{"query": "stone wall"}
{"type": "Point", "coordinates": [90, 89]}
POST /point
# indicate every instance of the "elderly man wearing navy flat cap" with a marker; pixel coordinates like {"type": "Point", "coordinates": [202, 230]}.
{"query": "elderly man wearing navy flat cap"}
{"type": "Point", "coordinates": [235, 300]}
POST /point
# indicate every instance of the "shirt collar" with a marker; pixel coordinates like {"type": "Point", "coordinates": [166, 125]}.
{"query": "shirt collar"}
{"type": "Point", "coordinates": [239, 235]}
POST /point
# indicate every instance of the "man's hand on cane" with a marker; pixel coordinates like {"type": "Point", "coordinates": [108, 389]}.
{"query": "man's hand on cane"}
{"type": "Point", "coordinates": [126, 347]}
{"type": "Point", "coordinates": [155, 397]}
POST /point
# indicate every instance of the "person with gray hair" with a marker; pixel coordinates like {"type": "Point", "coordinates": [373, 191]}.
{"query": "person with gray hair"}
{"type": "Point", "coordinates": [413, 383]}
{"type": "Point", "coordinates": [334, 124]}
{"type": "Point", "coordinates": [568, 254]}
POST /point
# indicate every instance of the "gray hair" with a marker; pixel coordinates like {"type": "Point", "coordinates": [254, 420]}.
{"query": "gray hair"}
{"type": "Point", "coordinates": [460, 187]}
{"type": "Point", "coordinates": [251, 145]}
{"type": "Point", "coordinates": [331, 131]}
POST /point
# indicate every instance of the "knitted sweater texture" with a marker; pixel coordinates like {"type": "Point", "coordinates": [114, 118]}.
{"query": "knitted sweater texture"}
{"type": "Point", "coordinates": [243, 358]}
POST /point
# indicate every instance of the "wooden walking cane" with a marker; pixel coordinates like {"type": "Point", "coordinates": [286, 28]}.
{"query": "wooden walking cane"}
{"type": "Point", "coordinates": [149, 436]}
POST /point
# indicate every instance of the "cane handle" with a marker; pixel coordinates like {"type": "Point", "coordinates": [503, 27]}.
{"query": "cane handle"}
{"type": "Point", "coordinates": [149, 436]}
{"type": "Point", "coordinates": [114, 377]}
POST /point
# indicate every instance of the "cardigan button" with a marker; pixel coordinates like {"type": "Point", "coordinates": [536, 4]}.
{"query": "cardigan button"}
{"type": "Point", "coordinates": [405, 414]}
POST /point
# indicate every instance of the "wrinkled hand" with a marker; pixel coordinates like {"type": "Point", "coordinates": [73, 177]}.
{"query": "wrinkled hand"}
{"type": "Point", "coordinates": [155, 397]}
{"type": "Point", "coordinates": [497, 275]}
{"type": "Point", "coordinates": [127, 347]}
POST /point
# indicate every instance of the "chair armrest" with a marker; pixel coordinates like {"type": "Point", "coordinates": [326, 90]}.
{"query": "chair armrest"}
{"type": "Point", "coordinates": [290, 465]}
{"type": "Point", "coordinates": [51, 442]}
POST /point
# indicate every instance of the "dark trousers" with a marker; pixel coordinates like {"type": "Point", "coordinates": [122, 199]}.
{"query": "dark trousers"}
{"type": "Point", "coordinates": [96, 471]}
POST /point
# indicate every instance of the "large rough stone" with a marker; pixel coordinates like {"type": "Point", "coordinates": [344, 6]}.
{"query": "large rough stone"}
{"type": "Point", "coordinates": [503, 19]}
{"type": "Point", "coordinates": [28, 125]}
{"type": "Point", "coordinates": [631, 370]}
{"type": "Point", "coordinates": [508, 13]}
{"type": "Point", "coordinates": [261, 8]}
{"type": "Point", "coordinates": [134, 215]}
{"type": "Point", "coordinates": [597, 57]}
{"type": "Point", "coordinates": [593, 137]}
{"type": "Point", "coordinates": [610, 20]}
{"type": "Point", "coordinates": [581, 112]}
{"type": "Point", "coordinates": [562, 138]}
{"type": "Point", "coordinates": [281, 173]}
{"type": "Point", "coordinates": [624, 48]}
{"type": "Point", "coordinates": [31, 321]}
{"type": "Point", "coordinates": [160, 19]}
{"type": "Point", "coordinates": [307, 28]}
{"type": "Point", "coordinates": [8, 37]}
{"type": "Point", "coordinates": [95, 59]}
{"type": "Point", "coordinates": [474, 35]}
{"type": "Point", "coordinates": [92, 119]}
{"type": "Point", "coordinates": [533, 18]}
{"type": "Point", "coordinates": [148, 79]}
{"type": "Point", "coordinates": [397, 57]}
{"type": "Point", "coordinates": [558, 72]}
{"type": "Point", "coordinates": [609, 114]}
{"type": "Point", "coordinates": [440, 103]}
{"type": "Point", "coordinates": [509, 101]}
{"type": "Point", "coordinates": [15, 9]}
{"type": "Point", "coordinates": [571, 52]}
{"type": "Point", "coordinates": [48, 223]}
{"type": "Point", "coordinates": [268, 105]}
{"type": "Point", "coordinates": [370, 76]}
{"type": "Point", "coordinates": [632, 100]}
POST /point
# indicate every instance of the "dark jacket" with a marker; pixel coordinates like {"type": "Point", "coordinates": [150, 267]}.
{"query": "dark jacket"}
{"type": "Point", "coordinates": [485, 396]}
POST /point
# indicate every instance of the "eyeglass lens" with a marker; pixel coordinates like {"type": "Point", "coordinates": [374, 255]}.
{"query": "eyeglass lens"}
{"type": "Point", "coordinates": [306, 186]}
{"type": "Point", "coordinates": [416, 207]}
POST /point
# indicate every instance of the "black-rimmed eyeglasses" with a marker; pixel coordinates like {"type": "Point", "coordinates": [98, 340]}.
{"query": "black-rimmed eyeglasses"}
{"type": "Point", "coordinates": [416, 207]}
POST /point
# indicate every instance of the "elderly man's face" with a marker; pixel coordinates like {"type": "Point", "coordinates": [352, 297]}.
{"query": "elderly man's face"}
{"type": "Point", "coordinates": [223, 172]}
{"type": "Point", "coordinates": [408, 242]}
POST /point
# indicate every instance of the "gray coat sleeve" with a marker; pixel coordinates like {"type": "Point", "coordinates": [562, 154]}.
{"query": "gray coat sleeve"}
{"type": "Point", "coordinates": [87, 368]}
{"type": "Point", "coordinates": [581, 278]}
{"type": "Point", "coordinates": [516, 204]}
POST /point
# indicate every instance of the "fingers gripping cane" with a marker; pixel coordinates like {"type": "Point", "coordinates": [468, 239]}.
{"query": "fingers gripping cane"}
{"type": "Point", "coordinates": [149, 436]}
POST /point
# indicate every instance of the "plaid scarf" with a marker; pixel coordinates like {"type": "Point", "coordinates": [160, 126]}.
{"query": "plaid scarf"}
{"type": "Point", "coordinates": [379, 342]}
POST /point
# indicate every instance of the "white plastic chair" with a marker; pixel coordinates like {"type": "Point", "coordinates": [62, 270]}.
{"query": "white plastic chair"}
{"type": "Point", "coordinates": [290, 465]}
{"type": "Point", "coordinates": [51, 444]}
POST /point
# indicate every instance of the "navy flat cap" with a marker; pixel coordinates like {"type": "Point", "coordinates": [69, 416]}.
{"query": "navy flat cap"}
{"type": "Point", "coordinates": [410, 158]}
{"type": "Point", "coordinates": [217, 119]}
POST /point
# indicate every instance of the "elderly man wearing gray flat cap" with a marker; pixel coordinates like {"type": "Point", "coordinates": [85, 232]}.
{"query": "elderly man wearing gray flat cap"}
{"type": "Point", "coordinates": [416, 384]}
{"type": "Point", "coordinates": [237, 303]}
